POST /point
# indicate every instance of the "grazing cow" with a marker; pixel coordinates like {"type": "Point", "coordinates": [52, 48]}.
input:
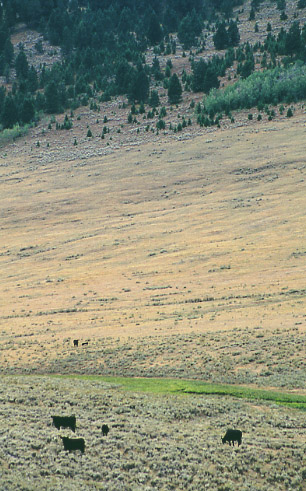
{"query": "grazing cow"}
{"type": "Point", "coordinates": [232, 436]}
{"type": "Point", "coordinates": [65, 422]}
{"type": "Point", "coordinates": [85, 343]}
{"type": "Point", "coordinates": [75, 342]}
{"type": "Point", "coordinates": [73, 444]}
{"type": "Point", "coordinates": [105, 430]}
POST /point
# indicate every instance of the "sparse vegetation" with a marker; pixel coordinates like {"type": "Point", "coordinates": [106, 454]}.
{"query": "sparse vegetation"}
{"type": "Point", "coordinates": [156, 440]}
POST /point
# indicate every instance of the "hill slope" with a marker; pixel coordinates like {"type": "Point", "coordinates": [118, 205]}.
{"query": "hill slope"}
{"type": "Point", "coordinates": [171, 239]}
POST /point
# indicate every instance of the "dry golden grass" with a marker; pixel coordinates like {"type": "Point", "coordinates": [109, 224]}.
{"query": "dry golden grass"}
{"type": "Point", "coordinates": [174, 237]}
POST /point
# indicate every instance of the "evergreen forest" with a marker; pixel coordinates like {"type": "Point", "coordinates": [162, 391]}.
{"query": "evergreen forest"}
{"type": "Point", "coordinates": [103, 46]}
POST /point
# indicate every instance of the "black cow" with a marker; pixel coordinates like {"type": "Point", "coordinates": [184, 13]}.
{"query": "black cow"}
{"type": "Point", "coordinates": [73, 444]}
{"type": "Point", "coordinates": [105, 430]}
{"type": "Point", "coordinates": [65, 422]}
{"type": "Point", "coordinates": [85, 343]}
{"type": "Point", "coordinates": [232, 436]}
{"type": "Point", "coordinates": [75, 342]}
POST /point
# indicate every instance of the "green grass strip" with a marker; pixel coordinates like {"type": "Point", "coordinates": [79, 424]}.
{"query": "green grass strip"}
{"type": "Point", "coordinates": [179, 386]}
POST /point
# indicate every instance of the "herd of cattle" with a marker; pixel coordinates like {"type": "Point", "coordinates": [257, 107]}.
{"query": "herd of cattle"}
{"type": "Point", "coordinates": [70, 444]}
{"type": "Point", "coordinates": [70, 422]}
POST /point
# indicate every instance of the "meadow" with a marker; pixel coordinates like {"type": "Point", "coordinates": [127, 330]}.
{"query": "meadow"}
{"type": "Point", "coordinates": [157, 440]}
{"type": "Point", "coordinates": [180, 258]}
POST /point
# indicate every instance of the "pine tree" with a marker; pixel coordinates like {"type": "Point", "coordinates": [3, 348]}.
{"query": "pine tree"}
{"type": "Point", "coordinates": [156, 69]}
{"type": "Point", "coordinates": [154, 99]}
{"type": "Point", "coordinates": [8, 52]}
{"type": "Point", "coordinates": [9, 116]}
{"type": "Point", "coordinates": [2, 98]}
{"type": "Point", "coordinates": [233, 34]}
{"type": "Point", "coordinates": [281, 4]}
{"type": "Point", "coordinates": [170, 20]}
{"type": "Point", "coordinates": [248, 67]}
{"type": "Point", "coordinates": [211, 80]}
{"type": "Point", "coordinates": [32, 82]}
{"type": "Point", "coordinates": [174, 90]}
{"type": "Point", "coordinates": [139, 87]}
{"type": "Point", "coordinates": [27, 112]}
{"type": "Point", "coordinates": [227, 8]}
{"type": "Point", "coordinates": [10, 14]}
{"type": "Point", "coordinates": [123, 76]}
{"type": "Point", "coordinates": [125, 20]}
{"type": "Point", "coordinates": [289, 113]}
{"type": "Point", "coordinates": [189, 29]}
{"type": "Point", "coordinates": [155, 33]}
{"type": "Point", "coordinates": [199, 71]}
{"type": "Point", "coordinates": [21, 65]}
{"type": "Point", "coordinates": [252, 14]}
{"type": "Point", "coordinates": [2, 65]}
{"type": "Point", "coordinates": [220, 37]}
{"type": "Point", "coordinates": [52, 98]}
{"type": "Point", "coordinates": [67, 40]}
{"type": "Point", "coordinates": [293, 39]}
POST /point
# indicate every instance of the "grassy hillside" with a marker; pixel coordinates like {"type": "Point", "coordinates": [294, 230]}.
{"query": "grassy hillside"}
{"type": "Point", "coordinates": [180, 258]}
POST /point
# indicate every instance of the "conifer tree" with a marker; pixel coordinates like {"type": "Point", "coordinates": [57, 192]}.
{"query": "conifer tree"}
{"type": "Point", "coordinates": [220, 37]}
{"type": "Point", "coordinates": [199, 71]}
{"type": "Point", "coordinates": [174, 90]}
{"type": "Point", "coordinates": [139, 87]}
{"type": "Point", "coordinates": [8, 52]}
{"type": "Point", "coordinates": [21, 65]}
{"type": "Point", "coordinates": [189, 29]}
{"type": "Point", "coordinates": [154, 99]}
{"type": "Point", "coordinates": [9, 116]}
{"type": "Point", "coordinates": [233, 34]}
{"type": "Point", "coordinates": [27, 112]}
{"type": "Point", "coordinates": [293, 39]}
{"type": "Point", "coordinates": [52, 98]}
{"type": "Point", "coordinates": [155, 33]}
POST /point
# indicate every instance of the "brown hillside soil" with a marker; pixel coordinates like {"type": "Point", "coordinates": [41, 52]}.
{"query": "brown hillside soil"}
{"type": "Point", "coordinates": [182, 258]}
